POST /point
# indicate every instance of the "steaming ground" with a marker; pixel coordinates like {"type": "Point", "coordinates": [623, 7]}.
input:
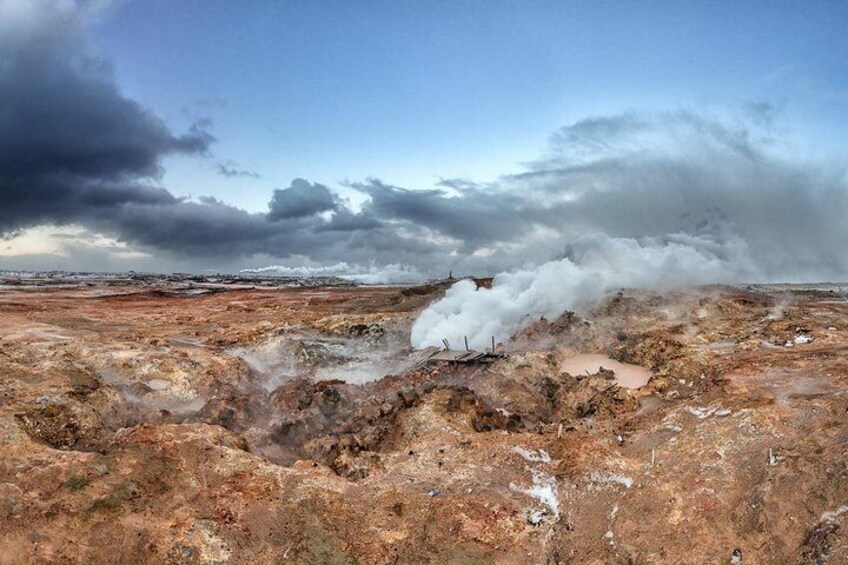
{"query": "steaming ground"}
{"type": "Point", "coordinates": [358, 359]}
{"type": "Point", "coordinates": [655, 203]}
{"type": "Point", "coordinates": [595, 266]}
{"type": "Point", "coordinates": [652, 201]}
{"type": "Point", "coordinates": [215, 417]}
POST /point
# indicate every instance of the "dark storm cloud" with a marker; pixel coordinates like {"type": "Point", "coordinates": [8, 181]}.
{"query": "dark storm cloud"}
{"type": "Point", "coordinates": [301, 199]}
{"type": "Point", "coordinates": [69, 141]}
{"type": "Point", "coordinates": [73, 149]}
{"type": "Point", "coordinates": [474, 216]}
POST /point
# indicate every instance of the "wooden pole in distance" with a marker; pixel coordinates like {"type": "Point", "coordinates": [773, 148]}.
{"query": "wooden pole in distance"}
{"type": "Point", "coordinates": [466, 343]}
{"type": "Point", "coordinates": [493, 344]}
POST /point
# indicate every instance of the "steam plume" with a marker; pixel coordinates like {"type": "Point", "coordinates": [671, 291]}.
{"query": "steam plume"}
{"type": "Point", "coordinates": [598, 264]}
{"type": "Point", "coordinates": [657, 202]}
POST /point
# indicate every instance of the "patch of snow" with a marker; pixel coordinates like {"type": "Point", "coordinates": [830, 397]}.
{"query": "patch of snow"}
{"type": "Point", "coordinates": [610, 537]}
{"type": "Point", "coordinates": [535, 517]}
{"type": "Point", "coordinates": [833, 514]}
{"type": "Point", "coordinates": [543, 489]}
{"type": "Point", "coordinates": [611, 478]}
{"type": "Point", "coordinates": [702, 413]}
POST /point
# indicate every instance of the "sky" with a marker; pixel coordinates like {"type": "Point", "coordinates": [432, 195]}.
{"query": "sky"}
{"type": "Point", "coordinates": [198, 135]}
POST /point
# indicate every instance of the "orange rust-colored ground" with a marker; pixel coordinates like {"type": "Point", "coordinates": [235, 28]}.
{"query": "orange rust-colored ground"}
{"type": "Point", "coordinates": [135, 427]}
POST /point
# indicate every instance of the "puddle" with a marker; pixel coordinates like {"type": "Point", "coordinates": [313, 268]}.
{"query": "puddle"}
{"type": "Point", "coordinates": [158, 384]}
{"type": "Point", "coordinates": [626, 375]}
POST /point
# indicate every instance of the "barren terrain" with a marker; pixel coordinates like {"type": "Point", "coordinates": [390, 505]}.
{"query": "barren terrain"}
{"type": "Point", "coordinates": [174, 422]}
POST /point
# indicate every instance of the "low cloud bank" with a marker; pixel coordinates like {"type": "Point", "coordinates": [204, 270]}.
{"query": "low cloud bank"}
{"type": "Point", "coordinates": [372, 274]}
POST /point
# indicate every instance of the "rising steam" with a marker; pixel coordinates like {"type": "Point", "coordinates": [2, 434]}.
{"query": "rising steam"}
{"type": "Point", "coordinates": [658, 203]}
{"type": "Point", "coordinates": [596, 265]}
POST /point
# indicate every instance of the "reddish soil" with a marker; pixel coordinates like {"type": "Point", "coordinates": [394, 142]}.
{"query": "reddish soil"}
{"type": "Point", "coordinates": [153, 424]}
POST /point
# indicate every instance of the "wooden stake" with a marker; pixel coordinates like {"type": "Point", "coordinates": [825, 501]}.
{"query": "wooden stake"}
{"type": "Point", "coordinates": [466, 343]}
{"type": "Point", "coordinates": [493, 344]}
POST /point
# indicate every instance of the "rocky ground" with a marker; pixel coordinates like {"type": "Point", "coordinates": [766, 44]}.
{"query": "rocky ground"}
{"type": "Point", "coordinates": [176, 422]}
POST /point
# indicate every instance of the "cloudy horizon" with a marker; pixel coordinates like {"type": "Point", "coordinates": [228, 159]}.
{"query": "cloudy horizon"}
{"type": "Point", "coordinates": [94, 179]}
